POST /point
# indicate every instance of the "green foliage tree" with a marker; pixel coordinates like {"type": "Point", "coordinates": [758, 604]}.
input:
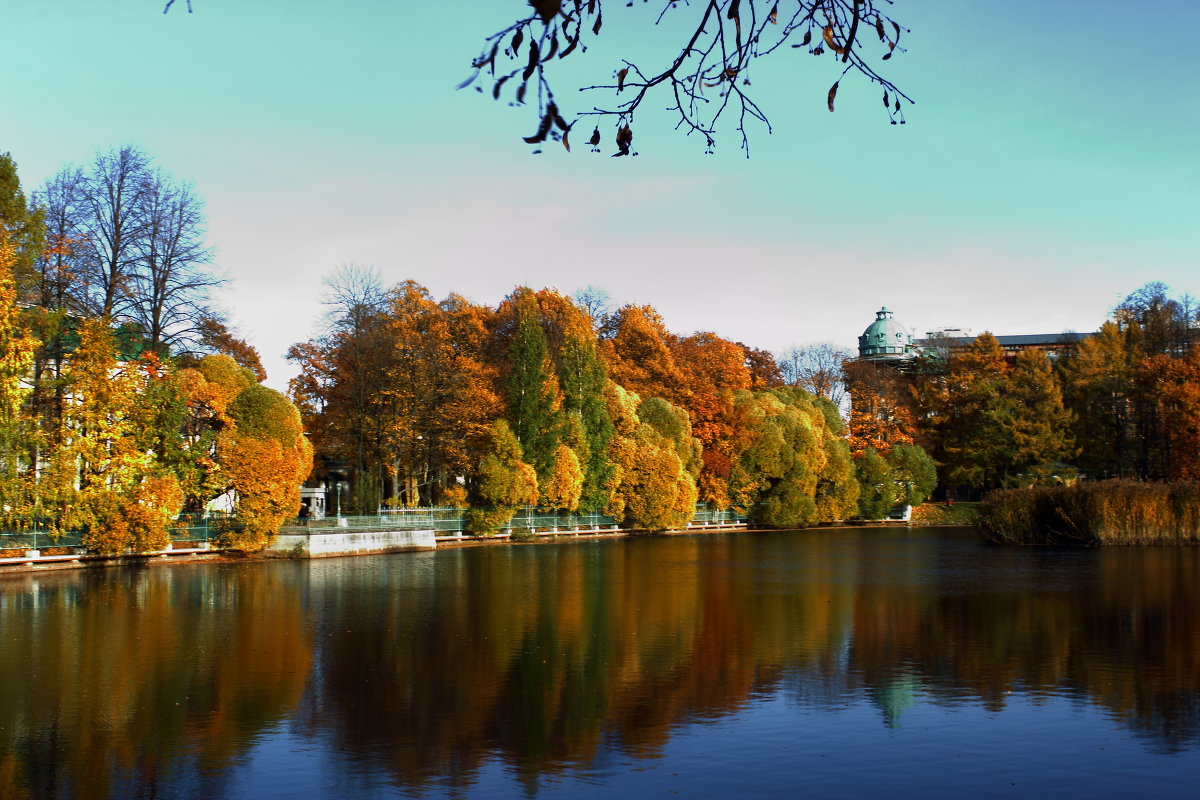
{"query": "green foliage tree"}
{"type": "Point", "coordinates": [503, 483]}
{"type": "Point", "coordinates": [795, 468]}
{"type": "Point", "coordinates": [1099, 386]}
{"type": "Point", "coordinates": [582, 377]}
{"type": "Point", "coordinates": [1040, 427]}
{"type": "Point", "coordinates": [914, 473]}
{"type": "Point", "coordinates": [651, 486]}
{"type": "Point", "coordinates": [534, 403]}
{"type": "Point", "coordinates": [877, 486]}
{"type": "Point", "coordinates": [22, 224]}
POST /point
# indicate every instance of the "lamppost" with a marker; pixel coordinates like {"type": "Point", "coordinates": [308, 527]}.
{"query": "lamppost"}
{"type": "Point", "coordinates": [339, 498]}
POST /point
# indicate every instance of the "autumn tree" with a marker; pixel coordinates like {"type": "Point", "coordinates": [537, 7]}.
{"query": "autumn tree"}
{"type": "Point", "coordinates": [215, 336]}
{"type": "Point", "coordinates": [22, 223]}
{"type": "Point", "coordinates": [636, 347]}
{"type": "Point", "coordinates": [343, 381]}
{"type": "Point", "coordinates": [1176, 384]}
{"type": "Point", "coordinates": [971, 416]}
{"type": "Point", "coordinates": [882, 412]}
{"type": "Point", "coordinates": [534, 401]}
{"type": "Point", "coordinates": [713, 369]}
{"type": "Point", "coordinates": [16, 426]}
{"type": "Point", "coordinates": [264, 457]}
{"type": "Point", "coordinates": [100, 479]}
{"type": "Point", "coordinates": [503, 483]}
{"type": "Point", "coordinates": [1099, 386]}
{"type": "Point", "coordinates": [795, 467]}
{"type": "Point", "coordinates": [582, 378]}
{"type": "Point", "coordinates": [437, 395]}
{"type": "Point", "coordinates": [1036, 421]}
{"type": "Point", "coordinates": [651, 484]}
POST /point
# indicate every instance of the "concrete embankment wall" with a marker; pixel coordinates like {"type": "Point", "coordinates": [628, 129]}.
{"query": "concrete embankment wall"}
{"type": "Point", "coordinates": [323, 542]}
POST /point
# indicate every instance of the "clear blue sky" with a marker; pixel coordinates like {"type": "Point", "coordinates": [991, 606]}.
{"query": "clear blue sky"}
{"type": "Point", "coordinates": [1049, 167]}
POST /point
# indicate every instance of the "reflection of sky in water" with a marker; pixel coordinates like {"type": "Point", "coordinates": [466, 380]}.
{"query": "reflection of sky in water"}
{"type": "Point", "coordinates": [779, 749]}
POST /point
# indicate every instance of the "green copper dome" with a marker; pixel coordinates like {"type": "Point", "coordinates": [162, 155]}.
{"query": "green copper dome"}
{"type": "Point", "coordinates": [885, 339]}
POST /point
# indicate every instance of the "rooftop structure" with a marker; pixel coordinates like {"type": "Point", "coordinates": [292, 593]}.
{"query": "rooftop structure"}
{"type": "Point", "coordinates": [885, 339]}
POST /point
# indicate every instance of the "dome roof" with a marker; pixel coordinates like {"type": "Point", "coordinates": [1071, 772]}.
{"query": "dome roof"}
{"type": "Point", "coordinates": [885, 339]}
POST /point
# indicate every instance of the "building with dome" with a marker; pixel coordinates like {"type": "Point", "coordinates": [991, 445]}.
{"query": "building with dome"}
{"type": "Point", "coordinates": [886, 340]}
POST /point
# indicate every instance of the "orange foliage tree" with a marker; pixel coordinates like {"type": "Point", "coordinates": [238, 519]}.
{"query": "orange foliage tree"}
{"type": "Point", "coordinates": [264, 457]}
{"type": "Point", "coordinates": [1176, 383]}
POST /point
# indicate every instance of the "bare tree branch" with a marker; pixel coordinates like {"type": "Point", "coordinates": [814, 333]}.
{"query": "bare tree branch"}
{"type": "Point", "coordinates": [709, 77]}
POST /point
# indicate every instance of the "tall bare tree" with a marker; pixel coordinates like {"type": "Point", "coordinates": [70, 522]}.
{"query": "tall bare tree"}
{"type": "Point", "coordinates": [115, 189]}
{"type": "Point", "coordinates": [817, 368]}
{"type": "Point", "coordinates": [172, 280]}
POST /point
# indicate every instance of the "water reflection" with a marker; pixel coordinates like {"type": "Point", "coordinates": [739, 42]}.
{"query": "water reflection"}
{"type": "Point", "coordinates": [425, 670]}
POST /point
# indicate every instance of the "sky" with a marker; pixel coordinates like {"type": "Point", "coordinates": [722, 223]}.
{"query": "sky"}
{"type": "Point", "coordinates": [1048, 168]}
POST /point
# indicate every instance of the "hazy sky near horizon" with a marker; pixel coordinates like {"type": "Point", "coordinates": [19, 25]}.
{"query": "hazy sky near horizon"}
{"type": "Point", "coordinates": [1049, 167]}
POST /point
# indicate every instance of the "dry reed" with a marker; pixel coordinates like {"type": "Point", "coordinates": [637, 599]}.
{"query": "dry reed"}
{"type": "Point", "coordinates": [1115, 512]}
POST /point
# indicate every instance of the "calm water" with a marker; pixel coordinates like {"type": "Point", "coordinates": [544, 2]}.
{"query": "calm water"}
{"type": "Point", "coordinates": [831, 664]}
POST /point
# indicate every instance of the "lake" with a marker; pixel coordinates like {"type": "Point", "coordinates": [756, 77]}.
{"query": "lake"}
{"type": "Point", "coordinates": [833, 663]}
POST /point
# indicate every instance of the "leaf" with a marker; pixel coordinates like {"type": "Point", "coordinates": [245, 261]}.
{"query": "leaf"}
{"type": "Point", "coordinates": [773, 17]}
{"type": "Point", "coordinates": [498, 86]}
{"type": "Point", "coordinates": [570, 46]}
{"type": "Point", "coordinates": [879, 28]}
{"type": "Point", "coordinates": [621, 78]}
{"type": "Point", "coordinates": [828, 34]}
{"type": "Point", "coordinates": [553, 48]}
{"type": "Point", "coordinates": [468, 81]}
{"type": "Point", "coordinates": [885, 100]}
{"type": "Point", "coordinates": [624, 140]}
{"type": "Point", "coordinates": [595, 140]}
{"type": "Point", "coordinates": [732, 13]}
{"type": "Point", "coordinates": [552, 110]}
{"type": "Point", "coordinates": [566, 144]}
{"type": "Point", "coordinates": [518, 37]}
{"type": "Point", "coordinates": [887, 55]}
{"type": "Point", "coordinates": [832, 94]}
{"type": "Point", "coordinates": [543, 129]}
{"type": "Point", "coordinates": [521, 92]}
{"type": "Point", "coordinates": [546, 9]}
{"type": "Point", "coordinates": [599, 21]}
{"type": "Point", "coordinates": [897, 105]}
{"type": "Point", "coordinates": [533, 60]}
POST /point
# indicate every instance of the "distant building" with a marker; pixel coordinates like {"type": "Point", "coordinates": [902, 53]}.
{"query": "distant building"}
{"type": "Point", "coordinates": [888, 341]}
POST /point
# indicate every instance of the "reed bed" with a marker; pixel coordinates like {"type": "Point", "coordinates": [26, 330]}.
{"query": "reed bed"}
{"type": "Point", "coordinates": [1114, 512]}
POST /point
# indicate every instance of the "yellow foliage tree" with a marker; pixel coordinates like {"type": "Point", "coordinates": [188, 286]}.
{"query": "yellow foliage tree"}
{"type": "Point", "coordinates": [503, 483]}
{"type": "Point", "coordinates": [565, 484]}
{"type": "Point", "coordinates": [651, 485]}
{"type": "Point", "coordinates": [16, 358]}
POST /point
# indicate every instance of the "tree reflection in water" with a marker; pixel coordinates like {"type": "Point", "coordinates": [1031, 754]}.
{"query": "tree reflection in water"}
{"type": "Point", "coordinates": [423, 669]}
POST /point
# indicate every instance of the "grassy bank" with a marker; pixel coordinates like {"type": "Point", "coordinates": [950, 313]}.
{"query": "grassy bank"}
{"type": "Point", "coordinates": [1104, 513]}
{"type": "Point", "coordinates": [960, 514]}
